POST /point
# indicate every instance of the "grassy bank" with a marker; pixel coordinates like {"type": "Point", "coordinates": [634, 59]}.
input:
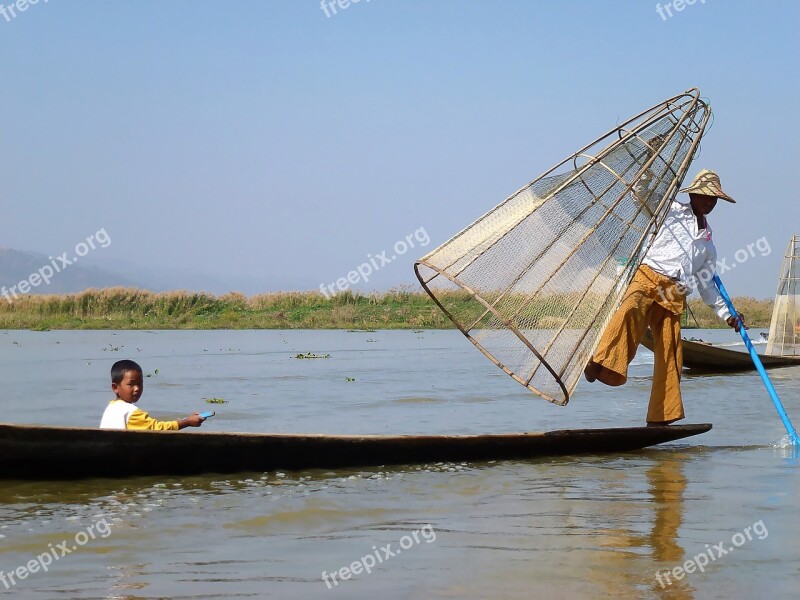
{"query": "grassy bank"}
{"type": "Point", "coordinates": [120, 308]}
{"type": "Point", "coordinates": [757, 313]}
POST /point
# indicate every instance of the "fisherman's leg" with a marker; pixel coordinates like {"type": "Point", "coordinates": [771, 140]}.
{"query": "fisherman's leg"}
{"type": "Point", "coordinates": [621, 338]}
{"type": "Point", "coordinates": [666, 404]}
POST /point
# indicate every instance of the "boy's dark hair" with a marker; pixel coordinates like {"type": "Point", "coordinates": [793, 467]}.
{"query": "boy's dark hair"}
{"type": "Point", "coordinates": [119, 368]}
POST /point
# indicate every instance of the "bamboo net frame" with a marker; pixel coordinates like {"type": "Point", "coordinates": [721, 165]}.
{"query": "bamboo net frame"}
{"type": "Point", "coordinates": [784, 329]}
{"type": "Point", "coordinates": [533, 282]}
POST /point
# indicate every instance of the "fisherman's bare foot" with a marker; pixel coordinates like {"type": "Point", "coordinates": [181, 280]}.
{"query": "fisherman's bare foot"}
{"type": "Point", "coordinates": [660, 423]}
{"type": "Point", "coordinates": [591, 371]}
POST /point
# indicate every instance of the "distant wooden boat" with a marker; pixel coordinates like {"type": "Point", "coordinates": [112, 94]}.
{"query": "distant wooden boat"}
{"type": "Point", "coordinates": [34, 452]}
{"type": "Point", "coordinates": [784, 327]}
{"type": "Point", "coordinates": [703, 356]}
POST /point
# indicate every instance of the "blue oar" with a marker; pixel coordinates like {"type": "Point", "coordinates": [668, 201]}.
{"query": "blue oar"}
{"type": "Point", "coordinates": [757, 361]}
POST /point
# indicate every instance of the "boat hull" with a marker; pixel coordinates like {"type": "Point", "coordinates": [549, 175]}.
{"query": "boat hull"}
{"type": "Point", "coordinates": [36, 452]}
{"type": "Point", "coordinates": [707, 357]}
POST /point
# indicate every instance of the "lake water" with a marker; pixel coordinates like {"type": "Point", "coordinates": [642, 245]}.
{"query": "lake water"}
{"type": "Point", "coordinates": [571, 527]}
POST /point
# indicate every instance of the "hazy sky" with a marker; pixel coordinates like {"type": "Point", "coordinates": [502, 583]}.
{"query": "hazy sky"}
{"type": "Point", "coordinates": [268, 146]}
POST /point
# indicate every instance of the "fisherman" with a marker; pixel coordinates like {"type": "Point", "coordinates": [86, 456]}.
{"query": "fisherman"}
{"type": "Point", "coordinates": [681, 257]}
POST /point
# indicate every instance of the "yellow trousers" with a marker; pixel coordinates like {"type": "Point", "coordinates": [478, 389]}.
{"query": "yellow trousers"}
{"type": "Point", "coordinates": [651, 300]}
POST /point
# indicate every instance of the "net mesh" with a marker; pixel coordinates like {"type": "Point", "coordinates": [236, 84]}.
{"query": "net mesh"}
{"type": "Point", "coordinates": [533, 282]}
{"type": "Point", "coordinates": [784, 329]}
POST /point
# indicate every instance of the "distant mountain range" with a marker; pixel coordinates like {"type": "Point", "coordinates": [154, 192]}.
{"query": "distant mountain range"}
{"type": "Point", "coordinates": [17, 266]}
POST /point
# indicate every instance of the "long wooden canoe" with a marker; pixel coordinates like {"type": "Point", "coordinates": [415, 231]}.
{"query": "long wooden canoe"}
{"type": "Point", "coordinates": [37, 452]}
{"type": "Point", "coordinates": [702, 356]}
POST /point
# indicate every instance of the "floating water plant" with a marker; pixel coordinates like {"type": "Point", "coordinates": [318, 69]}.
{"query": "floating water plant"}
{"type": "Point", "coordinates": [215, 400]}
{"type": "Point", "coordinates": [312, 355]}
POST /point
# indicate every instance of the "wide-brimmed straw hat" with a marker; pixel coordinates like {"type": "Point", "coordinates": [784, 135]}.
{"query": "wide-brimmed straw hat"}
{"type": "Point", "coordinates": [706, 182]}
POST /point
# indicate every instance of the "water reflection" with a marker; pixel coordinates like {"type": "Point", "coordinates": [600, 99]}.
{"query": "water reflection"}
{"type": "Point", "coordinates": [570, 527]}
{"type": "Point", "coordinates": [645, 540]}
{"type": "Point", "coordinates": [667, 486]}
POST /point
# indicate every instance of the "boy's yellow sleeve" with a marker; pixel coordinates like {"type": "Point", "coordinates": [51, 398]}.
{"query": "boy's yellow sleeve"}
{"type": "Point", "coordinates": [141, 420]}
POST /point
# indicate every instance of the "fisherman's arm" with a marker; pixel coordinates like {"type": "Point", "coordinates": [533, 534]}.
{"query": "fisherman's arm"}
{"type": "Point", "coordinates": [711, 296]}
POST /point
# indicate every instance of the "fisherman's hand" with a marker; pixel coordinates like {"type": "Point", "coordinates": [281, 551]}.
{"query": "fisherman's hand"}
{"type": "Point", "coordinates": [194, 420]}
{"type": "Point", "coordinates": [737, 323]}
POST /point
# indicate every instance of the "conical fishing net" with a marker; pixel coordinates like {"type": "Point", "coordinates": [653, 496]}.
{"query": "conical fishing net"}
{"type": "Point", "coordinates": [534, 281]}
{"type": "Point", "coordinates": [784, 330]}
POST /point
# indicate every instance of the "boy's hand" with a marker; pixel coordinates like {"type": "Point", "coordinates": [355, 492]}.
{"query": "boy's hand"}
{"type": "Point", "coordinates": [194, 420]}
{"type": "Point", "coordinates": [737, 324]}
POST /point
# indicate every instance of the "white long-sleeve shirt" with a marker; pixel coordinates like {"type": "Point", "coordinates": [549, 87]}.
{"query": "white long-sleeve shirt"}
{"type": "Point", "coordinates": [685, 253]}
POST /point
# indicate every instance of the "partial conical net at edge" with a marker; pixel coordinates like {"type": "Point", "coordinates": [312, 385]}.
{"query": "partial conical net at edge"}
{"type": "Point", "coordinates": [784, 329]}
{"type": "Point", "coordinates": [534, 281]}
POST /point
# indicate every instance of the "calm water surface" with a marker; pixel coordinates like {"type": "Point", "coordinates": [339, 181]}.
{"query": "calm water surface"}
{"type": "Point", "coordinates": [580, 527]}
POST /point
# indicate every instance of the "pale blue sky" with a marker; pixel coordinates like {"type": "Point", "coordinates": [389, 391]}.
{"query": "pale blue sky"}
{"type": "Point", "coordinates": [266, 146]}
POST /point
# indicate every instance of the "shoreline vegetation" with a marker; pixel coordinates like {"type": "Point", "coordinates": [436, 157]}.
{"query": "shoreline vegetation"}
{"type": "Point", "coordinates": [126, 308]}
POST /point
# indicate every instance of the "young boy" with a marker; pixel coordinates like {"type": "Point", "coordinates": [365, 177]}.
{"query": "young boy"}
{"type": "Point", "coordinates": [127, 383]}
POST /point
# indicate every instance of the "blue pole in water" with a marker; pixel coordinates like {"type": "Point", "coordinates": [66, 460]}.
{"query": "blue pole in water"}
{"type": "Point", "coordinates": [757, 361]}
